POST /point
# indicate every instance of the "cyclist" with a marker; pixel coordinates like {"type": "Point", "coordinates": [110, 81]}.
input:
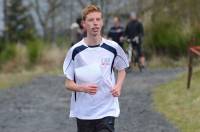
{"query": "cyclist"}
{"type": "Point", "coordinates": [134, 32]}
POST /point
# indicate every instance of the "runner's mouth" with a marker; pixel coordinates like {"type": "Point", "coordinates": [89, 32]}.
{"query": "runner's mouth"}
{"type": "Point", "coordinates": [96, 29]}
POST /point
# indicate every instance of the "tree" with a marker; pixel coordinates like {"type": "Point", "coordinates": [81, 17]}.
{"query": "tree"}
{"type": "Point", "coordinates": [5, 19]}
{"type": "Point", "coordinates": [18, 21]}
{"type": "Point", "coordinates": [47, 12]}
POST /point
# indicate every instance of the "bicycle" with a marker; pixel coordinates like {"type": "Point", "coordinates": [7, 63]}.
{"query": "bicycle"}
{"type": "Point", "coordinates": [132, 54]}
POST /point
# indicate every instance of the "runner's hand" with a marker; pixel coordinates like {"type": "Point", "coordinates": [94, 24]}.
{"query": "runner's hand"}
{"type": "Point", "coordinates": [121, 39]}
{"type": "Point", "coordinates": [116, 91]}
{"type": "Point", "coordinates": [136, 39]}
{"type": "Point", "coordinates": [89, 88]}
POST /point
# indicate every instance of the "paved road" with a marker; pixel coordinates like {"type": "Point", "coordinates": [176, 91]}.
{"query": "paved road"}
{"type": "Point", "coordinates": [42, 105]}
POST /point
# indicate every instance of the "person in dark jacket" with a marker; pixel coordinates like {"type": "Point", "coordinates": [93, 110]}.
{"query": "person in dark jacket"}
{"type": "Point", "coordinates": [134, 31]}
{"type": "Point", "coordinates": [77, 32]}
{"type": "Point", "coordinates": [116, 32]}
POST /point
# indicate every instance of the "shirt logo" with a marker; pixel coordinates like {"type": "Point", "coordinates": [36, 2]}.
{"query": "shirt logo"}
{"type": "Point", "coordinates": [105, 61]}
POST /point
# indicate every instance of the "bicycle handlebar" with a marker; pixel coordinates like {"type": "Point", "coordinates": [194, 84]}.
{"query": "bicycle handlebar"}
{"type": "Point", "coordinates": [131, 40]}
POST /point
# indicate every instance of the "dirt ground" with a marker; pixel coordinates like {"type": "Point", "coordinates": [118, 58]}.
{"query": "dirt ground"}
{"type": "Point", "coordinates": [42, 105]}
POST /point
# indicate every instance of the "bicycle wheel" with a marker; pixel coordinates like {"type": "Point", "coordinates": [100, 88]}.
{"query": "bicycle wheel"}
{"type": "Point", "coordinates": [136, 60]}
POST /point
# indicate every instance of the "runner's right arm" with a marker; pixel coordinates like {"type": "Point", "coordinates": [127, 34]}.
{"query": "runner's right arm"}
{"type": "Point", "coordinates": [87, 88]}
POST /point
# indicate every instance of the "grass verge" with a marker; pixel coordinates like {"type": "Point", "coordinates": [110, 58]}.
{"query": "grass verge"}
{"type": "Point", "coordinates": [178, 104]}
{"type": "Point", "coordinates": [165, 62]}
{"type": "Point", "coordinates": [21, 69]}
{"type": "Point", "coordinates": [8, 80]}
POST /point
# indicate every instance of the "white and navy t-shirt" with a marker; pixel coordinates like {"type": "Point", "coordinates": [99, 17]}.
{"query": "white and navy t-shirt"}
{"type": "Point", "coordinates": [86, 64]}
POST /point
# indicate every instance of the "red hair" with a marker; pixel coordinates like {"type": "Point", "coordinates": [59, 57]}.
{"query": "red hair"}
{"type": "Point", "coordinates": [90, 8]}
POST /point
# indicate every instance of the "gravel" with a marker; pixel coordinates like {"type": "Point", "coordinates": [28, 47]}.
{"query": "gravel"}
{"type": "Point", "coordinates": [42, 105]}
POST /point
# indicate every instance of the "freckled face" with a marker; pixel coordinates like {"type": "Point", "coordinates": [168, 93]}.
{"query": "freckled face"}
{"type": "Point", "coordinates": [93, 23]}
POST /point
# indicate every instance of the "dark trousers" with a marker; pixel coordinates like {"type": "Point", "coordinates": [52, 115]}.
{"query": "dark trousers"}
{"type": "Point", "coordinates": [138, 48]}
{"type": "Point", "coordinates": [105, 124]}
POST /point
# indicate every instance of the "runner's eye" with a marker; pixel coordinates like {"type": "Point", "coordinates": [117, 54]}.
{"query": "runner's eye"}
{"type": "Point", "coordinates": [98, 19]}
{"type": "Point", "coordinates": [90, 20]}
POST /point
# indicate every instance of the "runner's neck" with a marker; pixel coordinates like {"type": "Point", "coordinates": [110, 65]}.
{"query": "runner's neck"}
{"type": "Point", "coordinates": [92, 41]}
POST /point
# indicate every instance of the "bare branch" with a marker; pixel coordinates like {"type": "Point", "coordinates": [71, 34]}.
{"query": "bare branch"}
{"type": "Point", "coordinates": [81, 3]}
{"type": "Point", "coordinates": [38, 12]}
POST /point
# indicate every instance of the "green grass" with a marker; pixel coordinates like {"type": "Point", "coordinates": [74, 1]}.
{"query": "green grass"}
{"type": "Point", "coordinates": [178, 104]}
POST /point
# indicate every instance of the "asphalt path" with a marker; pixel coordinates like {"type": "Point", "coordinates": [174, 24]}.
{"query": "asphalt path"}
{"type": "Point", "coordinates": [42, 105]}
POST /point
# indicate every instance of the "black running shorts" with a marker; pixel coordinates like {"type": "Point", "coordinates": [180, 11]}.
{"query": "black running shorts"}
{"type": "Point", "coordinates": [105, 124]}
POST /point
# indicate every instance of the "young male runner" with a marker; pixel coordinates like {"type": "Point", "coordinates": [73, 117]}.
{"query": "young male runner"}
{"type": "Point", "coordinates": [88, 68]}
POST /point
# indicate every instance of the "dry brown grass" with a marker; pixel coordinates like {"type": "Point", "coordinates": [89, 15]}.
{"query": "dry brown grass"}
{"type": "Point", "coordinates": [8, 80]}
{"type": "Point", "coordinates": [52, 58]}
{"type": "Point", "coordinates": [18, 70]}
{"type": "Point", "coordinates": [166, 62]}
{"type": "Point", "coordinates": [18, 63]}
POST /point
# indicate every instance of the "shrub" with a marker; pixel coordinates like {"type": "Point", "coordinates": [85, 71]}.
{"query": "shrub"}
{"type": "Point", "coordinates": [34, 49]}
{"type": "Point", "coordinates": [166, 37]}
{"type": "Point", "coordinates": [7, 53]}
{"type": "Point", "coordinates": [196, 35]}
